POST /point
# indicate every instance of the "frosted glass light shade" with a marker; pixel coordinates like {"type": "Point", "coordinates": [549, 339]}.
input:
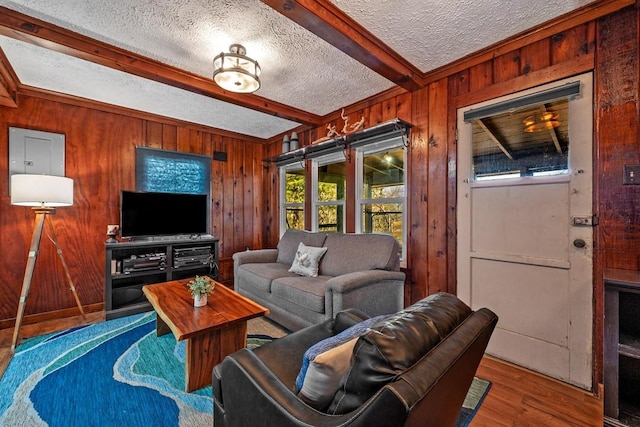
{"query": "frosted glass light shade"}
{"type": "Point", "coordinates": [236, 72]}
{"type": "Point", "coordinates": [41, 190]}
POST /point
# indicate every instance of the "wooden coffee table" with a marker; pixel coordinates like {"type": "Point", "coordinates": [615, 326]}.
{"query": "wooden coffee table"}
{"type": "Point", "coordinates": [212, 331]}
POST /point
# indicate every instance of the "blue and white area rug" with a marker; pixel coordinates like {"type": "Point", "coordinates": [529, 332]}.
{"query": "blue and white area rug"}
{"type": "Point", "coordinates": [111, 373]}
{"type": "Point", "coordinates": [114, 373]}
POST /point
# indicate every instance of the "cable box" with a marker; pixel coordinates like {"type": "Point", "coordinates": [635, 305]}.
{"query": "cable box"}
{"type": "Point", "coordinates": [192, 251]}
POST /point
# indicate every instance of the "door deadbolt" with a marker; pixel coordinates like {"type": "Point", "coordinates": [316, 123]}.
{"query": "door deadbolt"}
{"type": "Point", "coordinates": [579, 243]}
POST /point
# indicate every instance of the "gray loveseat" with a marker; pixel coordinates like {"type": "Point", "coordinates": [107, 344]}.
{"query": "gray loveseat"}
{"type": "Point", "coordinates": [357, 270]}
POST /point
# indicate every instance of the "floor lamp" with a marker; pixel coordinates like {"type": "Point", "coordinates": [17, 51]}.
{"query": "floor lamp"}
{"type": "Point", "coordinates": [43, 193]}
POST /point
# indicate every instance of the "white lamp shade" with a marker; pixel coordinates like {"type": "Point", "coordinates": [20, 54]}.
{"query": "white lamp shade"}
{"type": "Point", "coordinates": [41, 190]}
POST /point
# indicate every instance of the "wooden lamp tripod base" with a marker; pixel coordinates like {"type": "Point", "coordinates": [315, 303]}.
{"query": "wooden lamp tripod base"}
{"type": "Point", "coordinates": [43, 214]}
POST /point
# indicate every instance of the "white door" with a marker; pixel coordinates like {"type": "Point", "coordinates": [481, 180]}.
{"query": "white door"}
{"type": "Point", "coordinates": [525, 244]}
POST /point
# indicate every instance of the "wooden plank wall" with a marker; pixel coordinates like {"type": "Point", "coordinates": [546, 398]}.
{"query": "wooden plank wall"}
{"type": "Point", "coordinates": [618, 139]}
{"type": "Point", "coordinates": [100, 150]}
{"type": "Point", "coordinates": [617, 128]}
{"type": "Point", "coordinates": [100, 157]}
{"type": "Point", "coordinates": [432, 159]}
{"type": "Point", "coordinates": [614, 41]}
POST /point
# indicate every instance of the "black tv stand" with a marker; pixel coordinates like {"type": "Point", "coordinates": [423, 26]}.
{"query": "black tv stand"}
{"type": "Point", "coordinates": [131, 265]}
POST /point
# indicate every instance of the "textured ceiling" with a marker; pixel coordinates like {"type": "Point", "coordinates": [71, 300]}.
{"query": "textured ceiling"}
{"type": "Point", "coordinates": [46, 69]}
{"type": "Point", "coordinates": [433, 33]}
{"type": "Point", "coordinates": [298, 69]}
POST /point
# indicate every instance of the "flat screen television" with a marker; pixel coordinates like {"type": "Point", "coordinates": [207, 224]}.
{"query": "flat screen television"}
{"type": "Point", "coordinates": [149, 214]}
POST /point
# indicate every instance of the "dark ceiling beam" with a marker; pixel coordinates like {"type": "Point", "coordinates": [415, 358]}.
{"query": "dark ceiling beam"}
{"type": "Point", "coordinates": [332, 25]}
{"type": "Point", "coordinates": [31, 30]}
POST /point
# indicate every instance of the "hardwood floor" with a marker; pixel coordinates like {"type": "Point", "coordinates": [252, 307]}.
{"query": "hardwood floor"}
{"type": "Point", "coordinates": [517, 397]}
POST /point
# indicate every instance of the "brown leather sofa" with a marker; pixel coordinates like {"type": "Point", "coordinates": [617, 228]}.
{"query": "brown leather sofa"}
{"type": "Point", "coordinates": [410, 368]}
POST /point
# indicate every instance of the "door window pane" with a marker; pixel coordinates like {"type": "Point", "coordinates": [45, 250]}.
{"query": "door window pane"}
{"type": "Point", "coordinates": [531, 141]}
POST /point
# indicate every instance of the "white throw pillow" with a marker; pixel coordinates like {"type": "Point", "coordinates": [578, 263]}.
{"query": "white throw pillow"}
{"type": "Point", "coordinates": [306, 261]}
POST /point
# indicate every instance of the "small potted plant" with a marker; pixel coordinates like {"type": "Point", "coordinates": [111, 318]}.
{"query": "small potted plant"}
{"type": "Point", "coordinates": [200, 287]}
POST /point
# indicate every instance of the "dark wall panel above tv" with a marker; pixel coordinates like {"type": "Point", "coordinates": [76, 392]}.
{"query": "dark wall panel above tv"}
{"type": "Point", "coordinates": [172, 171]}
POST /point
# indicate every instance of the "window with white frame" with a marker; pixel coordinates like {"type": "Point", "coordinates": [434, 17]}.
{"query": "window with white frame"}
{"type": "Point", "coordinates": [381, 190]}
{"type": "Point", "coordinates": [329, 180]}
{"type": "Point", "coordinates": [292, 187]}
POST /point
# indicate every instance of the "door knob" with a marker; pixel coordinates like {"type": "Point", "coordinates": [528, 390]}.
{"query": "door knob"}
{"type": "Point", "coordinates": [579, 243]}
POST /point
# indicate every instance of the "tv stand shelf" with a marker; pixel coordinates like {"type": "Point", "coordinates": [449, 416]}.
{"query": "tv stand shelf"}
{"type": "Point", "coordinates": [155, 261]}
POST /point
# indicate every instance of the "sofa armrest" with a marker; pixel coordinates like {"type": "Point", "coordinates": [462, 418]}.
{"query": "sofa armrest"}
{"type": "Point", "coordinates": [436, 386]}
{"type": "Point", "coordinates": [248, 257]}
{"type": "Point", "coordinates": [256, 256]}
{"type": "Point", "coordinates": [372, 291]}
{"type": "Point", "coordinates": [255, 396]}
{"type": "Point", "coordinates": [353, 281]}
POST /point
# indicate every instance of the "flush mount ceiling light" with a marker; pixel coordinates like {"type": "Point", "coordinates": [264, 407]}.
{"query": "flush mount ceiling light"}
{"type": "Point", "coordinates": [540, 122]}
{"type": "Point", "coordinates": [236, 72]}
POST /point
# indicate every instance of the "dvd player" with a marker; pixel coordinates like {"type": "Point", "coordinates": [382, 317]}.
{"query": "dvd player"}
{"type": "Point", "coordinates": [192, 256]}
{"type": "Point", "coordinates": [152, 261]}
{"type": "Point", "coordinates": [192, 251]}
{"type": "Point", "coordinates": [187, 261]}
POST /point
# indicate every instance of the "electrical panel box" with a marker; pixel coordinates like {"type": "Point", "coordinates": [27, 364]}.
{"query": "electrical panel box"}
{"type": "Point", "coordinates": [36, 152]}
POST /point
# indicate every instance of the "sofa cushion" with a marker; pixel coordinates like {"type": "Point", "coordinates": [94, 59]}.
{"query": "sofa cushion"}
{"type": "Point", "coordinates": [347, 253]}
{"type": "Point", "coordinates": [325, 363]}
{"type": "Point", "coordinates": [307, 292]}
{"type": "Point", "coordinates": [395, 344]}
{"type": "Point", "coordinates": [307, 259]}
{"type": "Point", "coordinates": [260, 275]}
{"type": "Point", "coordinates": [324, 375]}
{"type": "Point", "coordinates": [288, 244]}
